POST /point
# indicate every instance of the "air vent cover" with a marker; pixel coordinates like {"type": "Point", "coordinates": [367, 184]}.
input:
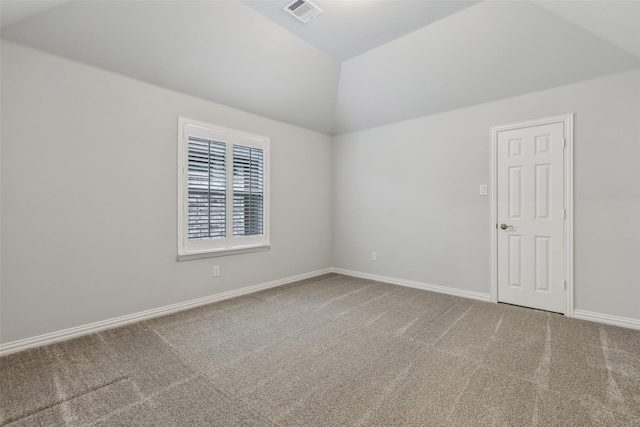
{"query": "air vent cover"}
{"type": "Point", "coordinates": [304, 10]}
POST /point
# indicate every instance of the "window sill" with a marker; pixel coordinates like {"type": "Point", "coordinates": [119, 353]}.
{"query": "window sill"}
{"type": "Point", "coordinates": [223, 252]}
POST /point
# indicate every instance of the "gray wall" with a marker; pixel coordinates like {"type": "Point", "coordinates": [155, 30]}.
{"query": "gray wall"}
{"type": "Point", "coordinates": [89, 197]}
{"type": "Point", "coordinates": [409, 191]}
{"type": "Point", "coordinates": [88, 185]}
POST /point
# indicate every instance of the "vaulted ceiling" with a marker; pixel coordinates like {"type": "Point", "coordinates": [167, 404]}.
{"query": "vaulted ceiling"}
{"type": "Point", "coordinates": [359, 64]}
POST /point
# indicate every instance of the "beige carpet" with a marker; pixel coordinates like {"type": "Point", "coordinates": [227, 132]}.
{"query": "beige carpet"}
{"type": "Point", "coordinates": [334, 351]}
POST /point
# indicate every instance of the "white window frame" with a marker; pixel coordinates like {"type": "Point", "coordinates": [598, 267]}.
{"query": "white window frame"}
{"type": "Point", "coordinates": [205, 248]}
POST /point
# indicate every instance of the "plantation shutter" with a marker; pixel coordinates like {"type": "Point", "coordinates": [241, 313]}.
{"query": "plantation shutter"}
{"type": "Point", "coordinates": [207, 185]}
{"type": "Point", "coordinates": [248, 191]}
{"type": "Point", "coordinates": [223, 191]}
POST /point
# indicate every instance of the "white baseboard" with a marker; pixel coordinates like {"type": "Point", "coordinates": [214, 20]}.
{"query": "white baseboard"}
{"type": "Point", "coordinates": [625, 322]}
{"type": "Point", "coordinates": [52, 337]}
{"type": "Point", "coordinates": [418, 285]}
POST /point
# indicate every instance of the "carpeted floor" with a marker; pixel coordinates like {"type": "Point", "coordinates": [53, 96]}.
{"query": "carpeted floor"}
{"type": "Point", "coordinates": [334, 351]}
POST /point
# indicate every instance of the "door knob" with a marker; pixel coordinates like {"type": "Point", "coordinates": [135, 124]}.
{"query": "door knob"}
{"type": "Point", "coordinates": [505, 226]}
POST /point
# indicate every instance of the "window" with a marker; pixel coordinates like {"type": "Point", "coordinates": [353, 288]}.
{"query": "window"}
{"type": "Point", "coordinates": [223, 192]}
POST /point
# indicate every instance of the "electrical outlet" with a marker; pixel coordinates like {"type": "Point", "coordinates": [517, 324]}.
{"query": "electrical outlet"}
{"type": "Point", "coordinates": [374, 257]}
{"type": "Point", "coordinates": [216, 270]}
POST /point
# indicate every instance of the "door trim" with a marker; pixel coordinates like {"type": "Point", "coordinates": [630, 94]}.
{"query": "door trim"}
{"type": "Point", "coordinates": [567, 120]}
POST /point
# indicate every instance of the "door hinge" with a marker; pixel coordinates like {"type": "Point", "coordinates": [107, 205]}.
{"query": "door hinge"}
{"type": "Point", "coordinates": [565, 285]}
{"type": "Point", "coordinates": [564, 142]}
{"type": "Point", "coordinates": [564, 215]}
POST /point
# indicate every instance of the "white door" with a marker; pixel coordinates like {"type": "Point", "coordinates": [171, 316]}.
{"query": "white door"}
{"type": "Point", "coordinates": [530, 214]}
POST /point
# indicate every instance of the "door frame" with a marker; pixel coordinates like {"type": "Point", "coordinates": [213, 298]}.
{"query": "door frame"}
{"type": "Point", "coordinates": [567, 120]}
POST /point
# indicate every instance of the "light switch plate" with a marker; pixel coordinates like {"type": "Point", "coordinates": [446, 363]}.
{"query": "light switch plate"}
{"type": "Point", "coordinates": [483, 190]}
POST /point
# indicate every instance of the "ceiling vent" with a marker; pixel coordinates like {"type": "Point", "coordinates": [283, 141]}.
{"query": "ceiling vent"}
{"type": "Point", "coordinates": [304, 10]}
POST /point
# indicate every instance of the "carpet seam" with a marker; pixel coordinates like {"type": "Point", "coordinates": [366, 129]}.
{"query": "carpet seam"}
{"type": "Point", "coordinates": [63, 400]}
{"type": "Point", "coordinates": [145, 399]}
